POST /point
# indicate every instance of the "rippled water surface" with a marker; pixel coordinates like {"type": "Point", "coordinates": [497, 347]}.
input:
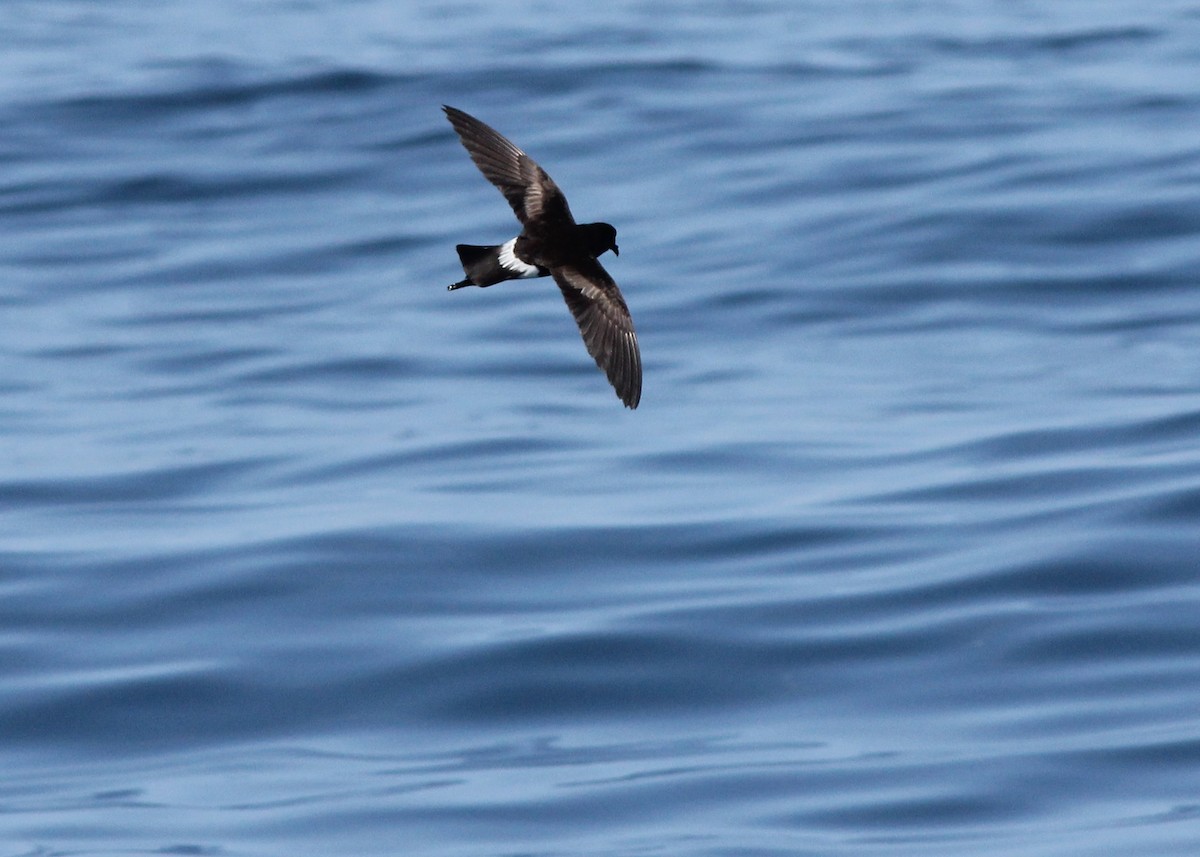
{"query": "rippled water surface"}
{"type": "Point", "coordinates": [301, 554]}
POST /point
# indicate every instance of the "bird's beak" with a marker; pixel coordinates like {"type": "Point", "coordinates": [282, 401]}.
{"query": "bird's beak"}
{"type": "Point", "coordinates": [616, 250]}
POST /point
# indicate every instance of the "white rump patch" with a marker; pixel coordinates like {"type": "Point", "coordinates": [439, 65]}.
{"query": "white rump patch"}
{"type": "Point", "coordinates": [508, 261]}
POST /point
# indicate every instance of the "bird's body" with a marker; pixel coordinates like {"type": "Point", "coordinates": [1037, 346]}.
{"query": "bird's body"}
{"type": "Point", "coordinates": [552, 244]}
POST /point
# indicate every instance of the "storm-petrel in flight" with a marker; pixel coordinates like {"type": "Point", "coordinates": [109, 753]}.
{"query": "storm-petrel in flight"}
{"type": "Point", "coordinates": [552, 244]}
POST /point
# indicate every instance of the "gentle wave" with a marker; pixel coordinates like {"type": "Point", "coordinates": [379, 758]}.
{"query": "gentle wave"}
{"type": "Point", "coordinates": [302, 553]}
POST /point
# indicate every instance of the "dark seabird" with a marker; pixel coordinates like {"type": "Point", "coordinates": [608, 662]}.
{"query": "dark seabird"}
{"type": "Point", "coordinates": [552, 244]}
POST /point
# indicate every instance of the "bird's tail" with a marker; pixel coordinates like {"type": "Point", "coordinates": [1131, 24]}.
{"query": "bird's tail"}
{"type": "Point", "coordinates": [481, 265]}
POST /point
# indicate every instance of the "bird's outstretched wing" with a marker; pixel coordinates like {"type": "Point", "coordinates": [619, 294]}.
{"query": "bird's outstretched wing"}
{"type": "Point", "coordinates": [531, 193]}
{"type": "Point", "coordinates": [605, 323]}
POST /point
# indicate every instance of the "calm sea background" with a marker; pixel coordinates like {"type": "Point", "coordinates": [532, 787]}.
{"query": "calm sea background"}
{"type": "Point", "coordinates": [301, 554]}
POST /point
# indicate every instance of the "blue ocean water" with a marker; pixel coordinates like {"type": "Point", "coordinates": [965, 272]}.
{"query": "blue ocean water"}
{"type": "Point", "coordinates": [301, 554]}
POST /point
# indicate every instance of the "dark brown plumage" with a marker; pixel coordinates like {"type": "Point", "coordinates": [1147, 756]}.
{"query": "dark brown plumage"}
{"type": "Point", "coordinates": [552, 243]}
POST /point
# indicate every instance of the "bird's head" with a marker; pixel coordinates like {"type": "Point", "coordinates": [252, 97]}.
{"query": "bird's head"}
{"type": "Point", "coordinates": [600, 238]}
